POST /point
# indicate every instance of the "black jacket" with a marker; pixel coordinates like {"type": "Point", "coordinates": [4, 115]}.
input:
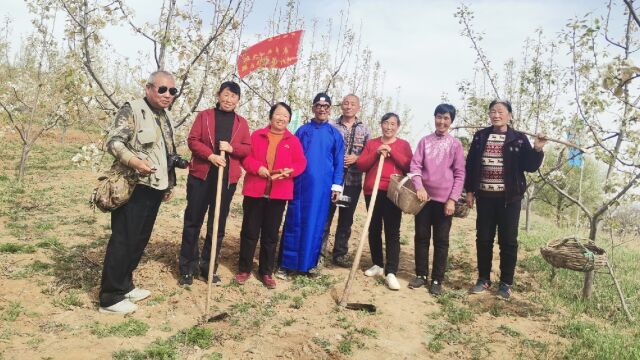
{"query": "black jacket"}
{"type": "Point", "coordinates": [518, 156]}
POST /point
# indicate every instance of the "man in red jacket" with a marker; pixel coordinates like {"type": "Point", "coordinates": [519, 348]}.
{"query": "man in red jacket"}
{"type": "Point", "coordinates": [214, 130]}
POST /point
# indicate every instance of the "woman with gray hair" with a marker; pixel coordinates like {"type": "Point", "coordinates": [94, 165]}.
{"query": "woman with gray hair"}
{"type": "Point", "coordinates": [497, 159]}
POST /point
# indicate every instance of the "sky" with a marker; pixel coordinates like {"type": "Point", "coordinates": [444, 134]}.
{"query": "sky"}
{"type": "Point", "coordinates": [417, 42]}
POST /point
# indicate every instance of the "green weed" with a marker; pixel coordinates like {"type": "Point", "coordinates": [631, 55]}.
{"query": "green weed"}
{"type": "Point", "coordinates": [509, 331]}
{"type": "Point", "coordinates": [68, 301]}
{"type": "Point", "coordinates": [12, 312]}
{"type": "Point", "coordinates": [129, 355]}
{"type": "Point", "coordinates": [14, 248]}
{"type": "Point", "coordinates": [297, 302]}
{"type": "Point", "coordinates": [593, 342]}
{"type": "Point", "coordinates": [323, 343]}
{"type": "Point", "coordinates": [162, 350]}
{"type": "Point", "coordinates": [195, 336]}
{"type": "Point", "coordinates": [127, 328]}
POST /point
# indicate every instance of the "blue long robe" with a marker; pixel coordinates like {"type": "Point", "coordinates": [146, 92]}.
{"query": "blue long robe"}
{"type": "Point", "coordinates": [323, 147]}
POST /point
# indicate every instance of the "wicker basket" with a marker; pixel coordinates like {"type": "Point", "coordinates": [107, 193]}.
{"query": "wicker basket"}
{"type": "Point", "coordinates": [402, 193]}
{"type": "Point", "coordinates": [570, 253]}
{"type": "Point", "coordinates": [461, 209]}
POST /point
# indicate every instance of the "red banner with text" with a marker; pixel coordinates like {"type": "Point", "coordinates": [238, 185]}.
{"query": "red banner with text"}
{"type": "Point", "coordinates": [275, 52]}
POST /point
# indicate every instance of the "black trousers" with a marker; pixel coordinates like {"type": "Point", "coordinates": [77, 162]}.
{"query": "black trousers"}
{"type": "Point", "coordinates": [432, 216]}
{"type": "Point", "coordinates": [262, 219]}
{"type": "Point", "coordinates": [131, 226]}
{"type": "Point", "coordinates": [385, 212]}
{"type": "Point", "coordinates": [201, 197]}
{"type": "Point", "coordinates": [345, 221]}
{"type": "Point", "coordinates": [492, 213]}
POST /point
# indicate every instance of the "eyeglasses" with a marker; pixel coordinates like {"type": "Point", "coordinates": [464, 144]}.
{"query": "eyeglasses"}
{"type": "Point", "coordinates": [163, 89]}
{"type": "Point", "coordinates": [322, 106]}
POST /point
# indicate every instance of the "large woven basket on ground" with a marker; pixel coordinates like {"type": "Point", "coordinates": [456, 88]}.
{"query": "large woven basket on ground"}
{"type": "Point", "coordinates": [402, 193]}
{"type": "Point", "coordinates": [574, 254]}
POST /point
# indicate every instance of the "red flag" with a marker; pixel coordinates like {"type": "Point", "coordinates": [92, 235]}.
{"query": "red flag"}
{"type": "Point", "coordinates": [276, 52]}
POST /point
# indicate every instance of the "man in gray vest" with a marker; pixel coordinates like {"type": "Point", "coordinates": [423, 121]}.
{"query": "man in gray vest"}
{"type": "Point", "coordinates": [141, 139]}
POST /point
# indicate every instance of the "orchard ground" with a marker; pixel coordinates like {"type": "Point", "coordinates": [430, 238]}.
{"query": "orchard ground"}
{"type": "Point", "coordinates": [52, 246]}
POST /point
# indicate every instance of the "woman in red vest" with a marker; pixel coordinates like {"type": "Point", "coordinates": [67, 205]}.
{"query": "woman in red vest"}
{"type": "Point", "coordinates": [214, 130]}
{"type": "Point", "coordinates": [276, 158]}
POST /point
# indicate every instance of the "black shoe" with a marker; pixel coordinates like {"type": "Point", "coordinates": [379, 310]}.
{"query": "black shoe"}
{"type": "Point", "coordinates": [342, 261]}
{"type": "Point", "coordinates": [418, 282]}
{"type": "Point", "coordinates": [435, 288]}
{"type": "Point", "coordinates": [186, 279]}
{"type": "Point", "coordinates": [481, 286]}
{"type": "Point", "coordinates": [504, 291]}
{"type": "Point", "coordinates": [215, 279]}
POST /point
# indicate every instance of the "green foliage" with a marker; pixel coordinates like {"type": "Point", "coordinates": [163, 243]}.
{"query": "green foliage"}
{"type": "Point", "coordinates": [128, 328]}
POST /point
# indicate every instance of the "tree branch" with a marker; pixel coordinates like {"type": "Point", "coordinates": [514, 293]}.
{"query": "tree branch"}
{"type": "Point", "coordinates": [564, 193]}
{"type": "Point", "coordinates": [604, 207]}
{"type": "Point", "coordinates": [632, 12]}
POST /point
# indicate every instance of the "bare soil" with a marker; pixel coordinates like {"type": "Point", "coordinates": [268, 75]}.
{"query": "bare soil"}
{"type": "Point", "coordinates": [297, 320]}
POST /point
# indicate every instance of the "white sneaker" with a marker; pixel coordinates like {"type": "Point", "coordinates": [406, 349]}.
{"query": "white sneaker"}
{"type": "Point", "coordinates": [282, 274]}
{"type": "Point", "coordinates": [123, 307]}
{"type": "Point", "coordinates": [375, 270]}
{"type": "Point", "coordinates": [392, 282]}
{"type": "Point", "coordinates": [137, 294]}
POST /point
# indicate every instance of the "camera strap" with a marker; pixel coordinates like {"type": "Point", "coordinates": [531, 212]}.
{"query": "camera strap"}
{"type": "Point", "coordinates": [352, 137]}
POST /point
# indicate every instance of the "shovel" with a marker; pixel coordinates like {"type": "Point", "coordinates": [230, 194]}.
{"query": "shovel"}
{"type": "Point", "coordinates": [214, 245]}
{"type": "Point", "coordinates": [356, 262]}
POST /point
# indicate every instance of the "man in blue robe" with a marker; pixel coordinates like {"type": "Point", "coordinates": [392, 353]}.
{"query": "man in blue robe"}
{"type": "Point", "coordinates": [320, 183]}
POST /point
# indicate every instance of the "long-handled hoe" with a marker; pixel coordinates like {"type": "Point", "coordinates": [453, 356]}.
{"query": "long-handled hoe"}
{"type": "Point", "coordinates": [356, 262]}
{"type": "Point", "coordinates": [214, 244]}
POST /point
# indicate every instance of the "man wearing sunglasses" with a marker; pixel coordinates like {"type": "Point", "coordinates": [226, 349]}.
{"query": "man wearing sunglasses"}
{"type": "Point", "coordinates": [321, 182]}
{"type": "Point", "coordinates": [141, 139]}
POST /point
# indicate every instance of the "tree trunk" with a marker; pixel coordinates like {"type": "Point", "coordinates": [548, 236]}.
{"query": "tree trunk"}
{"type": "Point", "coordinates": [527, 222]}
{"type": "Point", "coordinates": [587, 288]}
{"type": "Point", "coordinates": [26, 148]}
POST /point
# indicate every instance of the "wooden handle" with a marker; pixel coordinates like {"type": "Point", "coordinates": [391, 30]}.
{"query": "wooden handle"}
{"type": "Point", "coordinates": [214, 237]}
{"type": "Point", "coordinates": [363, 235]}
{"type": "Point", "coordinates": [559, 141]}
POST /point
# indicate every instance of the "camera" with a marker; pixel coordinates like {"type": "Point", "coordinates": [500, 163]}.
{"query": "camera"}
{"type": "Point", "coordinates": [343, 201]}
{"type": "Point", "coordinates": [176, 161]}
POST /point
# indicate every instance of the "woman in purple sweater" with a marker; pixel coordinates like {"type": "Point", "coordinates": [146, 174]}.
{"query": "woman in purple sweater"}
{"type": "Point", "coordinates": [438, 175]}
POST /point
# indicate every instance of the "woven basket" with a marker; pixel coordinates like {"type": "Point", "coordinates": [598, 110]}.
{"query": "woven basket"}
{"type": "Point", "coordinates": [461, 208]}
{"type": "Point", "coordinates": [403, 194]}
{"type": "Point", "coordinates": [570, 253]}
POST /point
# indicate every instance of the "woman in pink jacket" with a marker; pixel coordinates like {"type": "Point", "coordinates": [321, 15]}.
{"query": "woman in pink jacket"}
{"type": "Point", "coordinates": [276, 158]}
{"type": "Point", "coordinates": [438, 166]}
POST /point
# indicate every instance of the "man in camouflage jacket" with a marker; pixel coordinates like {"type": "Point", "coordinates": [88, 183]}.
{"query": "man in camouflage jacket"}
{"type": "Point", "coordinates": [141, 139]}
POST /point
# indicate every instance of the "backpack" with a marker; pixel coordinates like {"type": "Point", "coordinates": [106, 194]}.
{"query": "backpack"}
{"type": "Point", "coordinates": [114, 188]}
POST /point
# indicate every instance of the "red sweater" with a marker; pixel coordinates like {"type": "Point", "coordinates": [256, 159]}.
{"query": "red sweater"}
{"type": "Point", "coordinates": [397, 163]}
{"type": "Point", "coordinates": [201, 143]}
{"type": "Point", "coordinates": [289, 154]}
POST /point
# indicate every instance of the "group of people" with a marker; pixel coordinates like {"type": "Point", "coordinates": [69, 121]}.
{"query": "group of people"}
{"type": "Point", "coordinates": [310, 175]}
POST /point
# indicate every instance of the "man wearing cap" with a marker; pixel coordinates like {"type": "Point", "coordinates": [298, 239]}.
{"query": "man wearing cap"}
{"type": "Point", "coordinates": [320, 183]}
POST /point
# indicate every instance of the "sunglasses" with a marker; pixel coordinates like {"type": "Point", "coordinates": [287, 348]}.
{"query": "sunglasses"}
{"type": "Point", "coordinates": [163, 89]}
{"type": "Point", "coordinates": [322, 106]}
